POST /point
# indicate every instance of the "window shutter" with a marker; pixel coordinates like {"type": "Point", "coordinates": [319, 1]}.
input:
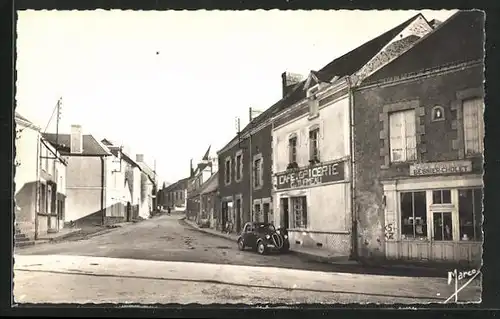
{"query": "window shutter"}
{"type": "Point", "coordinates": [410, 131]}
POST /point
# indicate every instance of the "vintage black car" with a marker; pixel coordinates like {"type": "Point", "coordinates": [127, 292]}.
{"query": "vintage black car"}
{"type": "Point", "coordinates": [263, 237]}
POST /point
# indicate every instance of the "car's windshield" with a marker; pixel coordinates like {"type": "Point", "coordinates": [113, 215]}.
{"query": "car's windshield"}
{"type": "Point", "coordinates": [265, 228]}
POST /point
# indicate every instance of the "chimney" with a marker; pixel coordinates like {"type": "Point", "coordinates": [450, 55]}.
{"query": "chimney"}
{"type": "Point", "coordinates": [76, 143]}
{"type": "Point", "coordinates": [139, 158]}
{"type": "Point", "coordinates": [288, 80]}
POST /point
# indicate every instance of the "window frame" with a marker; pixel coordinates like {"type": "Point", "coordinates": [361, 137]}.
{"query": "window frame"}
{"type": "Point", "coordinates": [238, 166]}
{"type": "Point", "coordinates": [479, 128]}
{"type": "Point", "coordinates": [260, 177]}
{"type": "Point", "coordinates": [304, 216]}
{"type": "Point", "coordinates": [292, 148]}
{"type": "Point", "coordinates": [475, 211]}
{"type": "Point", "coordinates": [314, 147]}
{"type": "Point", "coordinates": [404, 138]}
{"type": "Point", "coordinates": [227, 170]}
{"type": "Point", "coordinates": [401, 224]}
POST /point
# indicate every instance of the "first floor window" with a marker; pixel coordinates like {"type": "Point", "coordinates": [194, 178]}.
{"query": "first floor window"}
{"type": "Point", "coordinates": [238, 167]}
{"type": "Point", "coordinates": [257, 170]}
{"type": "Point", "coordinates": [442, 226]}
{"type": "Point", "coordinates": [402, 136]}
{"type": "Point", "coordinates": [299, 211]}
{"type": "Point", "coordinates": [227, 172]}
{"type": "Point", "coordinates": [413, 215]}
{"type": "Point", "coordinates": [470, 207]}
{"type": "Point", "coordinates": [292, 148]}
{"type": "Point", "coordinates": [314, 144]}
{"type": "Point", "coordinates": [473, 126]}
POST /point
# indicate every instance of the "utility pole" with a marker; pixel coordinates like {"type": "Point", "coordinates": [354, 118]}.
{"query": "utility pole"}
{"type": "Point", "coordinates": [59, 106]}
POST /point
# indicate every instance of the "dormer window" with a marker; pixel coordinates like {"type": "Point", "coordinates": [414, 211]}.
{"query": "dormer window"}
{"type": "Point", "coordinates": [313, 102]}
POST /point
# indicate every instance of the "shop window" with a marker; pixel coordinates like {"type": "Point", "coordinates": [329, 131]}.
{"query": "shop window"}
{"type": "Point", "coordinates": [470, 214]}
{"type": "Point", "coordinates": [442, 226]}
{"type": "Point", "coordinates": [402, 136]}
{"type": "Point", "coordinates": [43, 199]}
{"type": "Point", "coordinates": [473, 126]}
{"type": "Point", "coordinates": [299, 211]}
{"type": "Point", "coordinates": [413, 215]}
{"type": "Point", "coordinates": [441, 196]}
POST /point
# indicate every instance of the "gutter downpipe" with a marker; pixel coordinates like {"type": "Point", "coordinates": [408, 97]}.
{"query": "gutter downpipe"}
{"type": "Point", "coordinates": [354, 231]}
{"type": "Point", "coordinates": [103, 181]}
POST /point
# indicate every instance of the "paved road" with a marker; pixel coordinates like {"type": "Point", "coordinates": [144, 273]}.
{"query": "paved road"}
{"type": "Point", "coordinates": [166, 238]}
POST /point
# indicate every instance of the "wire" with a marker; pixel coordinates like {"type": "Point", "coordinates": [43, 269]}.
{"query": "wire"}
{"type": "Point", "coordinates": [53, 112]}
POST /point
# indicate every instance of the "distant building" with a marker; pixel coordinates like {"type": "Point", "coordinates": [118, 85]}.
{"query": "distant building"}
{"type": "Point", "coordinates": [149, 188]}
{"type": "Point", "coordinates": [206, 167]}
{"type": "Point", "coordinates": [175, 195]}
{"type": "Point", "coordinates": [89, 165]}
{"type": "Point", "coordinates": [40, 183]}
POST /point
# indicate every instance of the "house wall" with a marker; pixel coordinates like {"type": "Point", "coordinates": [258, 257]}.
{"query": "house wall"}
{"type": "Point", "coordinates": [117, 192]}
{"type": "Point", "coordinates": [83, 189]}
{"type": "Point", "coordinates": [235, 189]}
{"type": "Point", "coordinates": [328, 200]}
{"type": "Point", "coordinates": [26, 179]}
{"type": "Point", "coordinates": [146, 203]}
{"type": "Point", "coordinates": [378, 182]}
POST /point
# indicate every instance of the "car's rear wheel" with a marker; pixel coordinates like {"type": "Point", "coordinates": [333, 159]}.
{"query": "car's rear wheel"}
{"type": "Point", "coordinates": [261, 248]}
{"type": "Point", "coordinates": [241, 244]}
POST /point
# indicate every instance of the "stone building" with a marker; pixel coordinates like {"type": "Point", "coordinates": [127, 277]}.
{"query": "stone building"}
{"type": "Point", "coordinates": [418, 131]}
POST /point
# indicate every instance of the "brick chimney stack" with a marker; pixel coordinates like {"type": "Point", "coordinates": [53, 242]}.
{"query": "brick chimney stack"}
{"type": "Point", "coordinates": [288, 80]}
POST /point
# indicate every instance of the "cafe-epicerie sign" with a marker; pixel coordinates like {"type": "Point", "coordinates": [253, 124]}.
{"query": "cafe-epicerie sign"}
{"type": "Point", "coordinates": [311, 176]}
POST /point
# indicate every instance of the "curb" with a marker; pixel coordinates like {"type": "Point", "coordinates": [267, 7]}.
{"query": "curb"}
{"type": "Point", "coordinates": [325, 260]}
{"type": "Point", "coordinates": [204, 231]}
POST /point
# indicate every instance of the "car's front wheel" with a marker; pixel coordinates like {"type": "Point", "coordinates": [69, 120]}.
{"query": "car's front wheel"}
{"type": "Point", "coordinates": [261, 248]}
{"type": "Point", "coordinates": [241, 244]}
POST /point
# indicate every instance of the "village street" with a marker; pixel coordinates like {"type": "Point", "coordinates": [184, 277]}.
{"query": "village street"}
{"type": "Point", "coordinates": [164, 260]}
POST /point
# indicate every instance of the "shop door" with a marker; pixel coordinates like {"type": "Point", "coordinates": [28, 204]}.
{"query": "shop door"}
{"type": "Point", "coordinates": [238, 215]}
{"type": "Point", "coordinates": [285, 214]}
{"type": "Point", "coordinates": [443, 212]}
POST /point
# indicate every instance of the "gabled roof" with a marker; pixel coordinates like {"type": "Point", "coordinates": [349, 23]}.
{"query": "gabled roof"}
{"type": "Point", "coordinates": [211, 184]}
{"type": "Point", "coordinates": [355, 59]}
{"type": "Point", "coordinates": [457, 40]}
{"type": "Point", "coordinates": [91, 147]}
{"type": "Point", "coordinates": [115, 149]}
{"type": "Point", "coordinates": [345, 65]}
{"type": "Point", "coordinates": [180, 184]}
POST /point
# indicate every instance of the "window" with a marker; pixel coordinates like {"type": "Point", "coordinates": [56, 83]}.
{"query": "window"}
{"type": "Point", "coordinates": [299, 211]}
{"type": "Point", "coordinates": [413, 215]}
{"type": "Point", "coordinates": [313, 106]}
{"type": "Point", "coordinates": [470, 213]}
{"type": "Point", "coordinates": [441, 196]}
{"type": "Point", "coordinates": [473, 126]}
{"type": "Point", "coordinates": [402, 136]}
{"type": "Point", "coordinates": [227, 171]}
{"type": "Point", "coordinates": [239, 166]}
{"type": "Point", "coordinates": [43, 199]}
{"type": "Point", "coordinates": [258, 213]}
{"type": "Point", "coordinates": [292, 147]}
{"type": "Point", "coordinates": [314, 145]}
{"type": "Point", "coordinates": [442, 226]}
{"type": "Point", "coordinates": [257, 170]}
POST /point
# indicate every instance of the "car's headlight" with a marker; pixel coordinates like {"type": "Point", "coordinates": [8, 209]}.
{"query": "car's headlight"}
{"type": "Point", "coordinates": [268, 237]}
{"type": "Point", "coordinates": [286, 236]}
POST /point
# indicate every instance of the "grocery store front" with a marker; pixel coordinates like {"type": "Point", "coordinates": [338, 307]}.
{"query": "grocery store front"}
{"type": "Point", "coordinates": [435, 214]}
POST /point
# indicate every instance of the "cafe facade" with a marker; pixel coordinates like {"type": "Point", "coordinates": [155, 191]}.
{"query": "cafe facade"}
{"type": "Point", "coordinates": [311, 188]}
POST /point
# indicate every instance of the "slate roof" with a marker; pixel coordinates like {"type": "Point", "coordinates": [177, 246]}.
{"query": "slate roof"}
{"type": "Point", "coordinates": [354, 60]}
{"type": "Point", "coordinates": [211, 184]}
{"type": "Point", "coordinates": [347, 64]}
{"type": "Point", "coordinates": [91, 146]}
{"type": "Point", "coordinates": [180, 184]}
{"type": "Point", "coordinates": [457, 40]}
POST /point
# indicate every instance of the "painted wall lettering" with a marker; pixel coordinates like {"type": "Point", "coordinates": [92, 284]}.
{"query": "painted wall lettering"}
{"type": "Point", "coordinates": [389, 232]}
{"type": "Point", "coordinates": [309, 176]}
{"type": "Point", "coordinates": [440, 168]}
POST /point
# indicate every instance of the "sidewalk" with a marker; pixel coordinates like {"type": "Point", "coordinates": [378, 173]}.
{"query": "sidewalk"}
{"type": "Point", "coordinates": [210, 231]}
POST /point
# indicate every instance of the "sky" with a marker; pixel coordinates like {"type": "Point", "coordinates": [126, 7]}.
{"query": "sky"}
{"type": "Point", "coordinates": [168, 84]}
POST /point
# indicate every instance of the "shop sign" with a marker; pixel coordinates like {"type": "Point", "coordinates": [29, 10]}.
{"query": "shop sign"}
{"type": "Point", "coordinates": [311, 176]}
{"type": "Point", "coordinates": [440, 168]}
